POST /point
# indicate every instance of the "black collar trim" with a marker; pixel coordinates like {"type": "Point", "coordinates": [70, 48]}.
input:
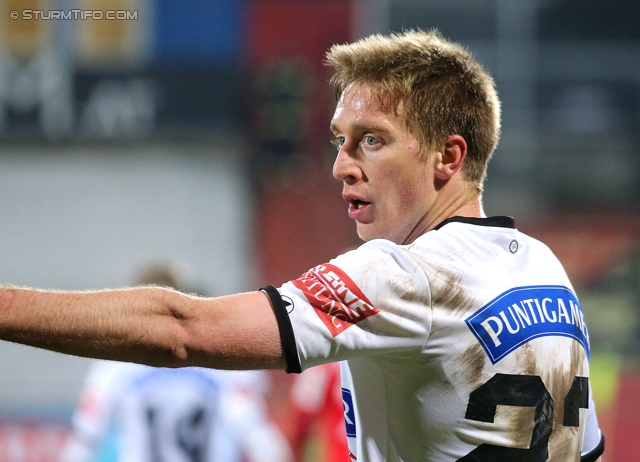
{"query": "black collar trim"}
{"type": "Point", "coordinates": [498, 221]}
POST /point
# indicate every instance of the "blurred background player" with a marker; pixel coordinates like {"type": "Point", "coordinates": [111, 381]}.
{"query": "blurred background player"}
{"type": "Point", "coordinates": [128, 412]}
{"type": "Point", "coordinates": [318, 430]}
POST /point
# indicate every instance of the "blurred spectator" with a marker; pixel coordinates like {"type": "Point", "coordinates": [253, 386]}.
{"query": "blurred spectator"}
{"type": "Point", "coordinates": [280, 112]}
{"type": "Point", "coordinates": [128, 412]}
{"type": "Point", "coordinates": [318, 415]}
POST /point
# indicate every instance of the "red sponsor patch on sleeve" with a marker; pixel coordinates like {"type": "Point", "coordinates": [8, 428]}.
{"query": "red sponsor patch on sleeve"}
{"type": "Point", "coordinates": [337, 300]}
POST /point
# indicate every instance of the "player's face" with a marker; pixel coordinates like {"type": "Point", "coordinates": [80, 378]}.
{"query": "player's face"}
{"type": "Point", "coordinates": [385, 180]}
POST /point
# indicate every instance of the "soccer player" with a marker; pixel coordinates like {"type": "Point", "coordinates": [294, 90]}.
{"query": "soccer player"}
{"type": "Point", "coordinates": [135, 413]}
{"type": "Point", "coordinates": [462, 337]}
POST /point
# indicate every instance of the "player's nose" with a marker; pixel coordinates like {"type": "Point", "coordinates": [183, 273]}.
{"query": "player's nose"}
{"type": "Point", "coordinates": [345, 167]}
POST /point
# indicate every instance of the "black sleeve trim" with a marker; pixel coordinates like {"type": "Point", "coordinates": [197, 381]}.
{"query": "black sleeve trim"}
{"type": "Point", "coordinates": [287, 336]}
{"type": "Point", "coordinates": [597, 452]}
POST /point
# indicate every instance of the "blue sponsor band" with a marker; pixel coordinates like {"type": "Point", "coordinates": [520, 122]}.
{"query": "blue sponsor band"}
{"type": "Point", "coordinates": [524, 313]}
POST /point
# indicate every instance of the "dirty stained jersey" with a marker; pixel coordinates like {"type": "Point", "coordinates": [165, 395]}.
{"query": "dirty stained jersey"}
{"type": "Point", "coordinates": [468, 344]}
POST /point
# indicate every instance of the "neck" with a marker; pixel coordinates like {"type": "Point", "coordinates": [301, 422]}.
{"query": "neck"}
{"type": "Point", "coordinates": [468, 205]}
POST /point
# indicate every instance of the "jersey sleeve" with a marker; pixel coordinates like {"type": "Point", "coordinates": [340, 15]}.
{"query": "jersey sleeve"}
{"type": "Point", "coordinates": [374, 300]}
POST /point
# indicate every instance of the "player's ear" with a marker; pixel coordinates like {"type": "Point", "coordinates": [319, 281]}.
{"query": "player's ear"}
{"type": "Point", "coordinates": [451, 155]}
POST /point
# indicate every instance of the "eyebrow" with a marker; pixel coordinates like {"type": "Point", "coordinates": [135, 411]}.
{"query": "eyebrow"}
{"type": "Point", "coordinates": [362, 128]}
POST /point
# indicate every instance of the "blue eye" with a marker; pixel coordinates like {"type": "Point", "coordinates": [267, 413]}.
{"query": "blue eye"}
{"type": "Point", "coordinates": [370, 141]}
{"type": "Point", "coordinates": [338, 142]}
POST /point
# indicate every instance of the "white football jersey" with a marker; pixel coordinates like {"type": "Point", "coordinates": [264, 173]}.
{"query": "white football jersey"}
{"type": "Point", "coordinates": [134, 413]}
{"type": "Point", "coordinates": [467, 345]}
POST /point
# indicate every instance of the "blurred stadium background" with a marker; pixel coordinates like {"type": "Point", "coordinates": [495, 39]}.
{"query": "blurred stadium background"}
{"type": "Point", "coordinates": [197, 131]}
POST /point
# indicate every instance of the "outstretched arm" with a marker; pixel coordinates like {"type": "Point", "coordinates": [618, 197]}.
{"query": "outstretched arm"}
{"type": "Point", "coordinates": [147, 325]}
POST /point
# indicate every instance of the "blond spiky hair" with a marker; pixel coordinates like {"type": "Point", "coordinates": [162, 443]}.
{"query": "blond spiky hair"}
{"type": "Point", "coordinates": [443, 89]}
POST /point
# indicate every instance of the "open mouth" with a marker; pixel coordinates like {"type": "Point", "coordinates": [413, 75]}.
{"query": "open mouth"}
{"type": "Point", "coordinates": [358, 209]}
{"type": "Point", "coordinates": [357, 204]}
